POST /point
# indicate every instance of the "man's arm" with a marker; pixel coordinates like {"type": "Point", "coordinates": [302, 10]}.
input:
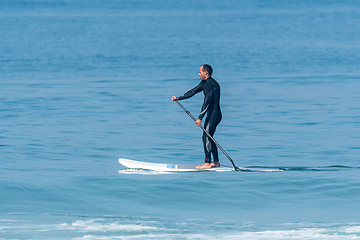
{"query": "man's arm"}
{"type": "Point", "coordinates": [206, 104]}
{"type": "Point", "coordinates": [192, 92]}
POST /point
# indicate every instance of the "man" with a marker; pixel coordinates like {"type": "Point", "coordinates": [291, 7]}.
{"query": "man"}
{"type": "Point", "coordinates": [210, 107]}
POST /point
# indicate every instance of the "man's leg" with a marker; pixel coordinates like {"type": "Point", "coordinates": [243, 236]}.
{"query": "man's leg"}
{"type": "Point", "coordinates": [207, 148]}
{"type": "Point", "coordinates": [210, 147]}
{"type": "Point", "coordinates": [213, 147]}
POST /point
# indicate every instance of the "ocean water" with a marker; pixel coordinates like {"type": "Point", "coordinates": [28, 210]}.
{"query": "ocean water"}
{"type": "Point", "coordinates": [86, 82]}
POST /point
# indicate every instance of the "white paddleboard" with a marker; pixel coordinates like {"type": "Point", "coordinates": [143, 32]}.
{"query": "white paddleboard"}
{"type": "Point", "coordinates": [162, 167]}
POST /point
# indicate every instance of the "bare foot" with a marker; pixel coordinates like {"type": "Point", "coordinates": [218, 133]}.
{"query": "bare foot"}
{"type": "Point", "coordinates": [215, 164]}
{"type": "Point", "coordinates": [204, 166]}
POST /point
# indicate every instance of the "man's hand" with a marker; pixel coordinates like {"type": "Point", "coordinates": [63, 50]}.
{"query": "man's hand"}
{"type": "Point", "coordinates": [198, 122]}
{"type": "Point", "coordinates": [174, 98]}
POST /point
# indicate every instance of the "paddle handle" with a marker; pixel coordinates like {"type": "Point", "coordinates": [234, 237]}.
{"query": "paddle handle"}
{"type": "Point", "coordinates": [207, 133]}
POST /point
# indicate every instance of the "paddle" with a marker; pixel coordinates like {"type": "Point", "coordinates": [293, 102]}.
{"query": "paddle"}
{"type": "Point", "coordinates": [217, 144]}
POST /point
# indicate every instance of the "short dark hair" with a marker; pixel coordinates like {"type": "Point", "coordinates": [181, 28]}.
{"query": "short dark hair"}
{"type": "Point", "coordinates": [207, 68]}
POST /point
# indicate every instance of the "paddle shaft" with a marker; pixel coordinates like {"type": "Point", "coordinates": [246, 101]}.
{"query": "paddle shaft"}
{"type": "Point", "coordinates": [217, 144]}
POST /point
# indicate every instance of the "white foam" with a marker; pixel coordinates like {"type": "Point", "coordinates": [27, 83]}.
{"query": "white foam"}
{"type": "Point", "coordinates": [99, 225]}
{"type": "Point", "coordinates": [351, 229]}
{"type": "Point", "coordinates": [266, 235]}
{"type": "Point", "coordinates": [332, 233]}
{"type": "Point", "coordinates": [123, 228]}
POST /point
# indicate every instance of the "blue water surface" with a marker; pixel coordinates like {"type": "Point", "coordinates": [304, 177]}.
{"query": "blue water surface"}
{"type": "Point", "coordinates": [84, 83]}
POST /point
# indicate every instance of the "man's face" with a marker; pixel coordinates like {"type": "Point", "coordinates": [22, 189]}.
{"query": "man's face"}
{"type": "Point", "coordinates": [202, 75]}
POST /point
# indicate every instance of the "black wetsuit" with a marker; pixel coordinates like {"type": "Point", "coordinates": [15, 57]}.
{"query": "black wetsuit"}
{"type": "Point", "coordinates": [210, 107]}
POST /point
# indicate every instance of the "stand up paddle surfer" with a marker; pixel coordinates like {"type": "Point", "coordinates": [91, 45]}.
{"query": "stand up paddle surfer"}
{"type": "Point", "coordinates": [210, 107]}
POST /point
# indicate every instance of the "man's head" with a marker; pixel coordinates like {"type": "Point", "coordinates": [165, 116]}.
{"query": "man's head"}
{"type": "Point", "coordinates": [205, 71]}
